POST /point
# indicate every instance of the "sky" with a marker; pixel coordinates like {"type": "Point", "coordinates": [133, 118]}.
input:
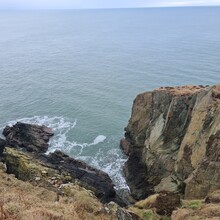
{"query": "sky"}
{"type": "Point", "coordinates": [78, 4]}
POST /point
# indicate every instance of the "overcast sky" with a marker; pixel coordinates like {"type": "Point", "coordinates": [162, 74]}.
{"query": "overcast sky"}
{"type": "Point", "coordinates": [69, 4]}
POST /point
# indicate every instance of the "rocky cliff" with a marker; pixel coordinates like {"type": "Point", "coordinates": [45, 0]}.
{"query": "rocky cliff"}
{"type": "Point", "coordinates": [173, 142]}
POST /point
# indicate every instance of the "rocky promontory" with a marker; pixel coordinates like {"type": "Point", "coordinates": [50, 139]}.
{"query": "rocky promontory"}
{"type": "Point", "coordinates": [173, 142]}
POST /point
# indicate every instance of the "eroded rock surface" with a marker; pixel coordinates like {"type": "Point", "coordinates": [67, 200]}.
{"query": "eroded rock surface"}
{"type": "Point", "coordinates": [172, 140]}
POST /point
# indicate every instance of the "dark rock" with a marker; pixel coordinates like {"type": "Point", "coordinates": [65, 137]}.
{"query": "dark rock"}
{"type": "Point", "coordinates": [90, 178]}
{"type": "Point", "coordinates": [135, 172]}
{"type": "Point", "coordinates": [33, 138]}
{"type": "Point", "coordinates": [167, 202]}
{"type": "Point", "coordinates": [2, 146]}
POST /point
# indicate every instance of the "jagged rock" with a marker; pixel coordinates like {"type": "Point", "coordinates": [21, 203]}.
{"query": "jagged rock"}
{"type": "Point", "coordinates": [90, 178]}
{"type": "Point", "coordinates": [33, 138]}
{"type": "Point", "coordinates": [173, 140]}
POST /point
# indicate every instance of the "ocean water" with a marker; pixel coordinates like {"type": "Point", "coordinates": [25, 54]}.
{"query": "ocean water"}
{"type": "Point", "coordinates": [78, 71]}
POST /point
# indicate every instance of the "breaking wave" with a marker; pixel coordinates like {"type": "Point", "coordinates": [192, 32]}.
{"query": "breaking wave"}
{"type": "Point", "coordinates": [107, 158]}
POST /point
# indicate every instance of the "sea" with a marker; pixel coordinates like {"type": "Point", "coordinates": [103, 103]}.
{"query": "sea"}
{"type": "Point", "coordinates": [78, 71]}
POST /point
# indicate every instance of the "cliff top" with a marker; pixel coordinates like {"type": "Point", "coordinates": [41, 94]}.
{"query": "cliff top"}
{"type": "Point", "coordinates": [182, 90]}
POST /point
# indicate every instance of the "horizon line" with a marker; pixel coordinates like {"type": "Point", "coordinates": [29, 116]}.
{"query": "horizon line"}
{"type": "Point", "coordinates": [110, 8]}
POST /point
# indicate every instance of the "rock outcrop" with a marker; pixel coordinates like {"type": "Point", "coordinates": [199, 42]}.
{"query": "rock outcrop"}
{"type": "Point", "coordinates": [173, 142]}
{"type": "Point", "coordinates": [23, 156]}
{"type": "Point", "coordinates": [33, 138]}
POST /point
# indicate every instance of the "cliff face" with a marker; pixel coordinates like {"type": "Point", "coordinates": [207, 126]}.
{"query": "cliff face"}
{"type": "Point", "coordinates": [173, 142]}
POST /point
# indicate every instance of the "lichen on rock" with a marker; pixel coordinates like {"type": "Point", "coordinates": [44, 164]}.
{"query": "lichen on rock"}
{"type": "Point", "coordinates": [173, 142]}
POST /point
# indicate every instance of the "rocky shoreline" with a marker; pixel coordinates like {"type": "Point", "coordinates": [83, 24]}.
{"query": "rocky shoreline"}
{"type": "Point", "coordinates": [172, 142]}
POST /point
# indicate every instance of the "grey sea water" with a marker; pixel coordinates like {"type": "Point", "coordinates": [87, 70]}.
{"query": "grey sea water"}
{"type": "Point", "coordinates": [78, 71]}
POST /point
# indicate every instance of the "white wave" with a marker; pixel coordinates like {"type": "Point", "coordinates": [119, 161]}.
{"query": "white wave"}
{"type": "Point", "coordinates": [98, 139]}
{"type": "Point", "coordinates": [60, 126]}
{"type": "Point", "coordinates": [110, 161]}
{"type": "Point", "coordinates": [57, 123]}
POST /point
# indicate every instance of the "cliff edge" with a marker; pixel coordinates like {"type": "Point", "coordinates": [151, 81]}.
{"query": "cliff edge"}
{"type": "Point", "coordinates": [173, 142]}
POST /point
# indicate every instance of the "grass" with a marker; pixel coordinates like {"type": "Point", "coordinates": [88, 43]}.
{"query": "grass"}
{"type": "Point", "coordinates": [192, 204]}
{"type": "Point", "coordinates": [22, 201]}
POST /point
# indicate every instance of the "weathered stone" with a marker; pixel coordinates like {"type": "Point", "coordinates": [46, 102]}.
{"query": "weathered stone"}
{"type": "Point", "coordinates": [169, 140]}
{"type": "Point", "coordinates": [206, 177]}
{"type": "Point", "coordinates": [168, 184]}
{"type": "Point", "coordinates": [33, 138]}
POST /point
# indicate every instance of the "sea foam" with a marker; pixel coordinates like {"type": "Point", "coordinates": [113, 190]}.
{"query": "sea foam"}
{"type": "Point", "coordinates": [110, 161]}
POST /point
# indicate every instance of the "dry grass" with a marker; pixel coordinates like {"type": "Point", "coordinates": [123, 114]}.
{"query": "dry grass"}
{"type": "Point", "coordinates": [22, 201]}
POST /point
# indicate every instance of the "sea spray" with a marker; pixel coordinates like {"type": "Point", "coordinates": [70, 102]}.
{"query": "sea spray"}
{"type": "Point", "coordinates": [110, 161]}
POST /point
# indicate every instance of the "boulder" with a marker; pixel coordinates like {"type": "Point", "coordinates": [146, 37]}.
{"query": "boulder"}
{"type": "Point", "coordinates": [34, 138]}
